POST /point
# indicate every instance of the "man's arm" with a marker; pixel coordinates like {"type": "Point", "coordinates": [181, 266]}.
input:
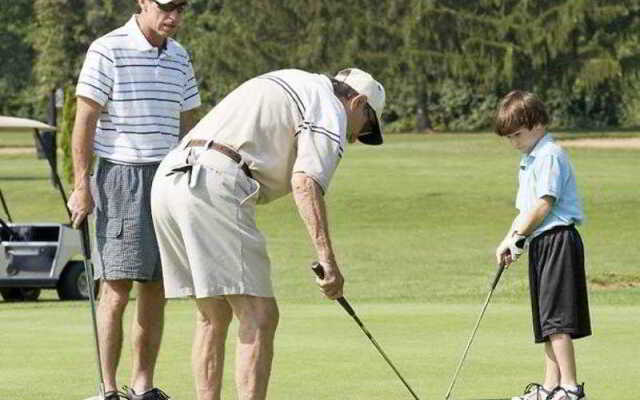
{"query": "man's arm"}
{"type": "Point", "coordinates": [84, 130]}
{"type": "Point", "coordinates": [187, 121]}
{"type": "Point", "coordinates": [311, 206]}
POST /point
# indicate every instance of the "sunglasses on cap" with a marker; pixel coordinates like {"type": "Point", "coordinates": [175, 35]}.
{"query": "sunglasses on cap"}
{"type": "Point", "coordinates": [169, 7]}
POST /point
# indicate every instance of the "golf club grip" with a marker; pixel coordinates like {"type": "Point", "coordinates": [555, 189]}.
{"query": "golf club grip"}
{"type": "Point", "coordinates": [86, 241]}
{"type": "Point", "coordinates": [497, 277]}
{"type": "Point", "coordinates": [316, 267]}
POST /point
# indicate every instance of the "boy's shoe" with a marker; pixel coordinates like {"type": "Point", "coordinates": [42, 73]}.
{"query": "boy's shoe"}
{"type": "Point", "coordinates": [561, 393]}
{"type": "Point", "coordinates": [534, 391]}
{"type": "Point", "coordinates": [153, 394]}
{"type": "Point", "coordinates": [114, 395]}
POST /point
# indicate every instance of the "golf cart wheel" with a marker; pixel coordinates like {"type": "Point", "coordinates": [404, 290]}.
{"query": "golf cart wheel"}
{"type": "Point", "coordinates": [20, 294]}
{"type": "Point", "coordinates": [73, 282]}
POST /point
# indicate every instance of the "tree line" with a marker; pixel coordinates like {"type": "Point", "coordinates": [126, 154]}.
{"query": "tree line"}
{"type": "Point", "coordinates": [444, 63]}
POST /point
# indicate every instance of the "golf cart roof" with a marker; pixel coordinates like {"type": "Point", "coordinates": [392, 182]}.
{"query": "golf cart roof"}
{"type": "Point", "coordinates": [13, 124]}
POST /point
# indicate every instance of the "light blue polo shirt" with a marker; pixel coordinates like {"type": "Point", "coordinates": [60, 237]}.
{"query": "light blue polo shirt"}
{"type": "Point", "coordinates": [547, 171]}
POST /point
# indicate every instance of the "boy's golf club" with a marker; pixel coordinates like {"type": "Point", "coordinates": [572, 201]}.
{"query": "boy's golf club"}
{"type": "Point", "coordinates": [475, 329]}
{"type": "Point", "coordinates": [319, 271]}
{"type": "Point", "coordinates": [86, 252]}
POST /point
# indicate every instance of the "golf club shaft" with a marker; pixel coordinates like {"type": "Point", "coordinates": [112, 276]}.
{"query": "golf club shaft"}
{"type": "Point", "coordinates": [84, 230]}
{"type": "Point", "coordinates": [382, 353]}
{"type": "Point", "coordinates": [475, 329]}
{"type": "Point", "coordinates": [88, 271]}
{"type": "Point", "coordinates": [319, 271]}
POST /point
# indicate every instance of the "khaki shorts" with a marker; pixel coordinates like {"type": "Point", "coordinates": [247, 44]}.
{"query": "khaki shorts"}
{"type": "Point", "coordinates": [205, 224]}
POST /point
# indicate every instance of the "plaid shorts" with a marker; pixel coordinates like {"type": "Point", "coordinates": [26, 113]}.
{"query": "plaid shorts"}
{"type": "Point", "coordinates": [125, 245]}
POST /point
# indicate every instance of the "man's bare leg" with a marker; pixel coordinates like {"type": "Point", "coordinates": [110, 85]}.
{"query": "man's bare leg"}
{"type": "Point", "coordinates": [114, 296]}
{"type": "Point", "coordinates": [146, 334]}
{"type": "Point", "coordinates": [258, 320]}
{"type": "Point", "coordinates": [212, 322]}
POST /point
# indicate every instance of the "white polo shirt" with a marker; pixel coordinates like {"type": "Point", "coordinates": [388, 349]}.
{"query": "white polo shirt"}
{"type": "Point", "coordinates": [281, 122]}
{"type": "Point", "coordinates": [143, 90]}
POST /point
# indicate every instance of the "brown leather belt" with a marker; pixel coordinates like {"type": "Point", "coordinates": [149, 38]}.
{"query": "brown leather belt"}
{"type": "Point", "coordinates": [232, 154]}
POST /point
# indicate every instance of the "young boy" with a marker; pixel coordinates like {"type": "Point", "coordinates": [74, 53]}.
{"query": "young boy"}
{"type": "Point", "coordinates": [549, 208]}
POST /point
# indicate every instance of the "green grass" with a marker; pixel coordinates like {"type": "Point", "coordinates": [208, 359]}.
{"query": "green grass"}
{"type": "Point", "coordinates": [322, 354]}
{"type": "Point", "coordinates": [16, 139]}
{"type": "Point", "coordinates": [415, 224]}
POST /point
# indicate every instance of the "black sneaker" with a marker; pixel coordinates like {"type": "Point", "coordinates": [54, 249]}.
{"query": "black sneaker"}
{"type": "Point", "coordinates": [153, 394]}
{"type": "Point", "coordinates": [561, 393]}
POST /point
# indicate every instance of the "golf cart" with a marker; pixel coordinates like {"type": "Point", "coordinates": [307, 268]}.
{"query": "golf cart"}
{"type": "Point", "coordinates": [35, 256]}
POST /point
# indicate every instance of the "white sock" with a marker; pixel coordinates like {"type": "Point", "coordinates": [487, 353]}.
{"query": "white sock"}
{"type": "Point", "coordinates": [570, 388]}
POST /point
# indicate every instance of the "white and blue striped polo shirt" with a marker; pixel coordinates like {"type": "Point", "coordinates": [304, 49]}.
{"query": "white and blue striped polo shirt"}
{"type": "Point", "coordinates": [143, 90]}
{"type": "Point", "coordinates": [547, 171]}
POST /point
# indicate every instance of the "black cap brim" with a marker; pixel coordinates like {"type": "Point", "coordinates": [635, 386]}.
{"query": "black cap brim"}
{"type": "Point", "coordinates": [374, 138]}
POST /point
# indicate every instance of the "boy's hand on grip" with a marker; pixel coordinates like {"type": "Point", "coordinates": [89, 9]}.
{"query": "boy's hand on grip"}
{"type": "Point", "coordinates": [510, 249]}
{"type": "Point", "coordinates": [515, 245]}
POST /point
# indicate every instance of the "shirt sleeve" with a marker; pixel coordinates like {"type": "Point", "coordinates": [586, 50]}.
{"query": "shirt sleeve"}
{"type": "Point", "coordinates": [549, 176]}
{"type": "Point", "coordinates": [320, 142]}
{"type": "Point", "coordinates": [190, 94]}
{"type": "Point", "coordinates": [96, 77]}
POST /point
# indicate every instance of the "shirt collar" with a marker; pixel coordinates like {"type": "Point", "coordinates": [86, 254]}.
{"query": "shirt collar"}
{"type": "Point", "coordinates": [140, 42]}
{"type": "Point", "coordinates": [545, 139]}
{"type": "Point", "coordinates": [532, 154]}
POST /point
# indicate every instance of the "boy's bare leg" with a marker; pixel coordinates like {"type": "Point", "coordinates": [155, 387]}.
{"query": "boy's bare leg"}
{"type": "Point", "coordinates": [551, 370]}
{"type": "Point", "coordinates": [212, 322]}
{"type": "Point", "coordinates": [258, 320]}
{"type": "Point", "coordinates": [114, 296]}
{"type": "Point", "coordinates": [146, 334]}
{"type": "Point", "coordinates": [562, 347]}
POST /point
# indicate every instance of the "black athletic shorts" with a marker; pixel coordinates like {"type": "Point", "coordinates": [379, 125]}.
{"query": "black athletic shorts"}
{"type": "Point", "coordinates": [558, 285]}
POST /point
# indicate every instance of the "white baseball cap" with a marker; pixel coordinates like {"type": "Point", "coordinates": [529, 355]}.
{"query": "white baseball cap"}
{"type": "Point", "coordinates": [164, 1]}
{"type": "Point", "coordinates": [363, 83]}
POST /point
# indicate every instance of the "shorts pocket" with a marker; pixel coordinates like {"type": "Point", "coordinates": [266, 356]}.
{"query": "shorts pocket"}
{"type": "Point", "coordinates": [249, 189]}
{"type": "Point", "coordinates": [111, 229]}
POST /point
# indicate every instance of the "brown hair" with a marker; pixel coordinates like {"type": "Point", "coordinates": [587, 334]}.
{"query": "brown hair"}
{"type": "Point", "coordinates": [520, 109]}
{"type": "Point", "coordinates": [342, 90]}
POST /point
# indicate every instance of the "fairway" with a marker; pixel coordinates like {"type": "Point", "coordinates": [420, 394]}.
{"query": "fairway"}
{"type": "Point", "coordinates": [321, 354]}
{"type": "Point", "coordinates": [415, 224]}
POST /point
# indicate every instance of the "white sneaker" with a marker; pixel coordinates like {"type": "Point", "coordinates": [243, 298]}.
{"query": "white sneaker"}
{"type": "Point", "coordinates": [561, 393]}
{"type": "Point", "coordinates": [534, 391]}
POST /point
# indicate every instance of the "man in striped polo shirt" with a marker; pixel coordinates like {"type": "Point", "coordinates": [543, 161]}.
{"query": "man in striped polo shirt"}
{"type": "Point", "coordinates": [136, 95]}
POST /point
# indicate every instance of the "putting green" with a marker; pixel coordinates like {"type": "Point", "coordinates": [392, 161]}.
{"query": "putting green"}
{"type": "Point", "coordinates": [322, 354]}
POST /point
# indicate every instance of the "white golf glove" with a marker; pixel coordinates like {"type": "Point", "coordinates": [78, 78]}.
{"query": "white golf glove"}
{"type": "Point", "coordinates": [516, 245]}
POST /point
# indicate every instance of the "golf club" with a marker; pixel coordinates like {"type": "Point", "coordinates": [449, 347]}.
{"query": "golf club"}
{"type": "Point", "coordinates": [319, 271]}
{"type": "Point", "coordinates": [86, 252]}
{"type": "Point", "coordinates": [475, 329]}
